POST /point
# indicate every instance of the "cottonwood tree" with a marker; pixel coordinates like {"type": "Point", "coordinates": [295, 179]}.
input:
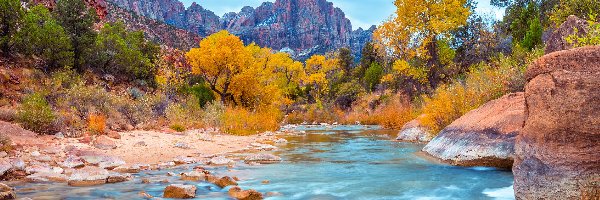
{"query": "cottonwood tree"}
{"type": "Point", "coordinates": [414, 31]}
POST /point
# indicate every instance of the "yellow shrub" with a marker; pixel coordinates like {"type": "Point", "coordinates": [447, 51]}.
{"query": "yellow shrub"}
{"type": "Point", "coordinates": [97, 124]}
{"type": "Point", "coordinates": [239, 121]}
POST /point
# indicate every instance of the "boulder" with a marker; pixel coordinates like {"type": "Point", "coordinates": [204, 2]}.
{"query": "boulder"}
{"type": "Point", "coordinates": [180, 191]}
{"type": "Point", "coordinates": [414, 132]}
{"type": "Point", "coordinates": [72, 162]}
{"type": "Point", "coordinates": [88, 176]}
{"type": "Point", "coordinates": [117, 178]}
{"type": "Point", "coordinates": [225, 181]}
{"type": "Point", "coordinates": [113, 135]}
{"type": "Point", "coordinates": [6, 192]}
{"type": "Point", "coordinates": [558, 151]}
{"type": "Point", "coordinates": [5, 166]}
{"type": "Point", "coordinates": [484, 136]}
{"type": "Point", "coordinates": [193, 176]}
{"type": "Point", "coordinates": [220, 160]}
{"type": "Point", "coordinates": [557, 39]}
{"type": "Point", "coordinates": [182, 160]}
{"type": "Point", "coordinates": [105, 162]}
{"type": "Point", "coordinates": [46, 177]}
{"type": "Point", "coordinates": [105, 143]}
{"type": "Point", "coordinates": [262, 158]}
{"type": "Point", "coordinates": [238, 193]}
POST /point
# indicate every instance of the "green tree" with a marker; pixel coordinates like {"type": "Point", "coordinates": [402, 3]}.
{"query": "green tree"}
{"type": "Point", "coordinates": [584, 9]}
{"type": "Point", "coordinates": [346, 59]}
{"type": "Point", "coordinates": [77, 20]}
{"type": "Point", "coordinates": [373, 76]}
{"type": "Point", "coordinates": [369, 55]}
{"type": "Point", "coordinates": [10, 17]}
{"type": "Point", "coordinates": [42, 36]}
{"type": "Point", "coordinates": [524, 17]}
{"type": "Point", "coordinates": [533, 37]}
{"type": "Point", "coordinates": [125, 53]}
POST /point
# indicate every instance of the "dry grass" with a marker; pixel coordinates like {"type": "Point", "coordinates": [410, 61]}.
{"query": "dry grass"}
{"type": "Point", "coordinates": [240, 121]}
{"type": "Point", "coordinates": [97, 124]}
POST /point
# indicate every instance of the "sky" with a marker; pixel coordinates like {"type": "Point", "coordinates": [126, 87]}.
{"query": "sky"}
{"type": "Point", "coordinates": [362, 13]}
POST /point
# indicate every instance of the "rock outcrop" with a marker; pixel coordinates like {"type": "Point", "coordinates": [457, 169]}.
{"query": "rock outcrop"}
{"type": "Point", "coordinates": [484, 136]}
{"type": "Point", "coordinates": [558, 151]}
{"type": "Point", "coordinates": [557, 39]}
{"type": "Point", "coordinates": [414, 132]}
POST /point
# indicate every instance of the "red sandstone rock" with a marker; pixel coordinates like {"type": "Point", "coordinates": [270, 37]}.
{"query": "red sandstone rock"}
{"type": "Point", "coordinates": [484, 136]}
{"type": "Point", "coordinates": [180, 191]}
{"type": "Point", "coordinates": [557, 40]}
{"type": "Point", "coordinates": [238, 193]}
{"type": "Point", "coordinates": [558, 151]}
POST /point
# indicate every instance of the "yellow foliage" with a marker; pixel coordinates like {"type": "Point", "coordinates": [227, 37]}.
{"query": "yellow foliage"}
{"type": "Point", "coordinates": [240, 121]}
{"type": "Point", "coordinates": [401, 67]}
{"type": "Point", "coordinates": [417, 23]}
{"type": "Point", "coordinates": [97, 124]}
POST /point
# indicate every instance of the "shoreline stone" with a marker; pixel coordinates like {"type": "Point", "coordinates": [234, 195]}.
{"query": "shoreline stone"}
{"type": "Point", "coordinates": [414, 132]}
{"type": "Point", "coordinates": [180, 191]}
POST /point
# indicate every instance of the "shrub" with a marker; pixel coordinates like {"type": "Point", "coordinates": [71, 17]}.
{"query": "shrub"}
{"type": "Point", "coordinates": [35, 114]}
{"type": "Point", "coordinates": [177, 127]}
{"type": "Point", "coordinates": [97, 124]}
{"type": "Point", "coordinates": [187, 114]}
{"type": "Point", "coordinates": [239, 121]}
{"type": "Point", "coordinates": [7, 114]}
{"type": "Point", "coordinates": [5, 143]}
{"type": "Point", "coordinates": [202, 93]}
{"type": "Point", "coordinates": [213, 114]}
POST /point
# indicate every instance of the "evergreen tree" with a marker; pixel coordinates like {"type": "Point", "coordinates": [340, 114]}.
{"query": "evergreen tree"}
{"type": "Point", "coordinates": [77, 20]}
{"type": "Point", "coordinates": [42, 36]}
{"type": "Point", "coordinates": [11, 13]}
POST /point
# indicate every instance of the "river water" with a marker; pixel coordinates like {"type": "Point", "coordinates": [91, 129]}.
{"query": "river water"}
{"type": "Point", "coordinates": [341, 162]}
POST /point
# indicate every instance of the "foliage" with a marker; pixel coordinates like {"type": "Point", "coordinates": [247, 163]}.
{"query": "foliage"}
{"type": "Point", "coordinates": [418, 23]}
{"type": "Point", "coordinates": [202, 93]}
{"type": "Point", "coordinates": [42, 36]}
{"type": "Point", "coordinates": [482, 84]}
{"type": "Point", "coordinates": [186, 114]}
{"type": "Point", "coordinates": [344, 56]}
{"type": "Point", "coordinates": [213, 114]}
{"type": "Point", "coordinates": [97, 124]}
{"type": "Point", "coordinates": [77, 21]}
{"type": "Point", "coordinates": [373, 76]}
{"type": "Point", "coordinates": [125, 53]}
{"type": "Point", "coordinates": [584, 9]}
{"type": "Point", "coordinates": [177, 127]}
{"type": "Point", "coordinates": [533, 37]}
{"type": "Point", "coordinates": [592, 37]}
{"type": "Point", "coordinates": [35, 114]}
{"type": "Point", "coordinates": [5, 143]}
{"type": "Point", "coordinates": [11, 14]}
{"type": "Point", "coordinates": [240, 121]}
{"type": "Point", "coordinates": [320, 72]}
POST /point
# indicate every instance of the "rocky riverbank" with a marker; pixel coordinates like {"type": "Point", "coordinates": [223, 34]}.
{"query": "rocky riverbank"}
{"type": "Point", "coordinates": [113, 158]}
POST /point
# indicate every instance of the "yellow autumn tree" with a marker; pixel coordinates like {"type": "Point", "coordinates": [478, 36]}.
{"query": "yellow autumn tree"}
{"type": "Point", "coordinates": [319, 70]}
{"type": "Point", "coordinates": [289, 74]}
{"type": "Point", "coordinates": [219, 59]}
{"type": "Point", "coordinates": [417, 25]}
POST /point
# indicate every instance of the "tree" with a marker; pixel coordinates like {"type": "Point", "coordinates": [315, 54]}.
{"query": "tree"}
{"type": "Point", "coordinates": [220, 58]}
{"type": "Point", "coordinates": [10, 17]}
{"type": "Point", "coordinates": [319, 73]}
{"type": "Point", "coordinates": [373, 76]}
{"type": "Point", "coordinates": [524, 18]}
{"type": "Point", "coordinates": [346, 59]}
{"type": "Point", "coordinates": [77, 20]}
{"type": "Point", "coordinates": [120, 52]}
{"type": "Point", "coordinates": [533, 37]}
{"type": "Point", "coordinates": [584, 9]}
{"type": "Point", "coordinates": [42, 36]}
{"type": "Point", "coordinates": [417, 25]}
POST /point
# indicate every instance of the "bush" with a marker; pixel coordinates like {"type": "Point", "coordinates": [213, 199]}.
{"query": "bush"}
{"type": "Point", "coordinates": [5, 143]}
{"type": "Point", "coordinates": [213, 114]}
{"type": "Point", "coordinates": [239, 121]}
{"type": "Point", "coordinates": [97, 124]}
{"type": "Point", "coordinates": [187, 114]}
{"type": "Point", "coordinates": [35, 114]}
{"type": "Point", "coordinates": [202, 93]}
{"type": "Point", "coordinates": [177, 127]}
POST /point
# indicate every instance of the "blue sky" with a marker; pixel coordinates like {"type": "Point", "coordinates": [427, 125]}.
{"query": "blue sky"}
{"type": "Point", "coordinates": [362, 13]}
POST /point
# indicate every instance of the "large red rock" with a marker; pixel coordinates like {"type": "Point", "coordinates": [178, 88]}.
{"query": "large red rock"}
{"type": "Point", "coordinates": [484, 136]}
{"type": "Point", "coordinates": [558, 152]}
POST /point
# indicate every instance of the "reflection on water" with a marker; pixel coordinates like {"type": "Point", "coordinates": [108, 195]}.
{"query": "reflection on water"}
{"type": "Point", "coordinates": [340, 162]}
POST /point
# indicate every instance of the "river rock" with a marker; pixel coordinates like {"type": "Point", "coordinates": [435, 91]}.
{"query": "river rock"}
{"type": "Point", "coordinates": [193, 176]}
{"type": "Point", "coordinates": [238, 193]}
{"type": "Point", "coordinates": [182, 160]}
{"type": "Point", "coordinates": [281, 141]}
{"type": "Point", "coordinates": [182, 145]}
{"type": "Point", "coordinates": [72, 162]}
{"type": "Point", "coordinates": [113, 135]}
{"type": "Point", "coordinates": [6, 192]}
{"type": "Point", "coordinates": [5, 166]}
{"type": "Point", "coordinates": [46, 177]}
{"type": "Point", "coordinates": [225, 181]}
{"type": "Point", "coordinates": [105, 162]}
{"type": "Point", "coordinates": [117, 178]}
{"type": "Point", "coordinates": [484, 136]}
{"type": "Point", "coordinates": [262, 158]}
{"type": "Point", "coordinates": [88, 176]}
{"type": "Point", "coordinates": [413, 131]}
{"type": "Point", "coordinates": [180, 191]}
{"type": "Point", "coordinates": [17, 164]}
{"type": "Point", "coordinates": [558, 152]}
{"type": "Point", "coordinates": [104, 142]}
{"type": "Point", "coordinates": [42, 167]}
{"type": "Point", "coordinates": [220, 160]}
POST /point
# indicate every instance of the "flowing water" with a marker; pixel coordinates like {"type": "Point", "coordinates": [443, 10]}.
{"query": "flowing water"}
{"type": "Point", "coordinates": [341, 162]}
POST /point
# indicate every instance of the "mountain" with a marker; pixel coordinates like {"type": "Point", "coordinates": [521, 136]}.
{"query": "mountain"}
{"type": "Point", "coordinates": [300, 27]}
